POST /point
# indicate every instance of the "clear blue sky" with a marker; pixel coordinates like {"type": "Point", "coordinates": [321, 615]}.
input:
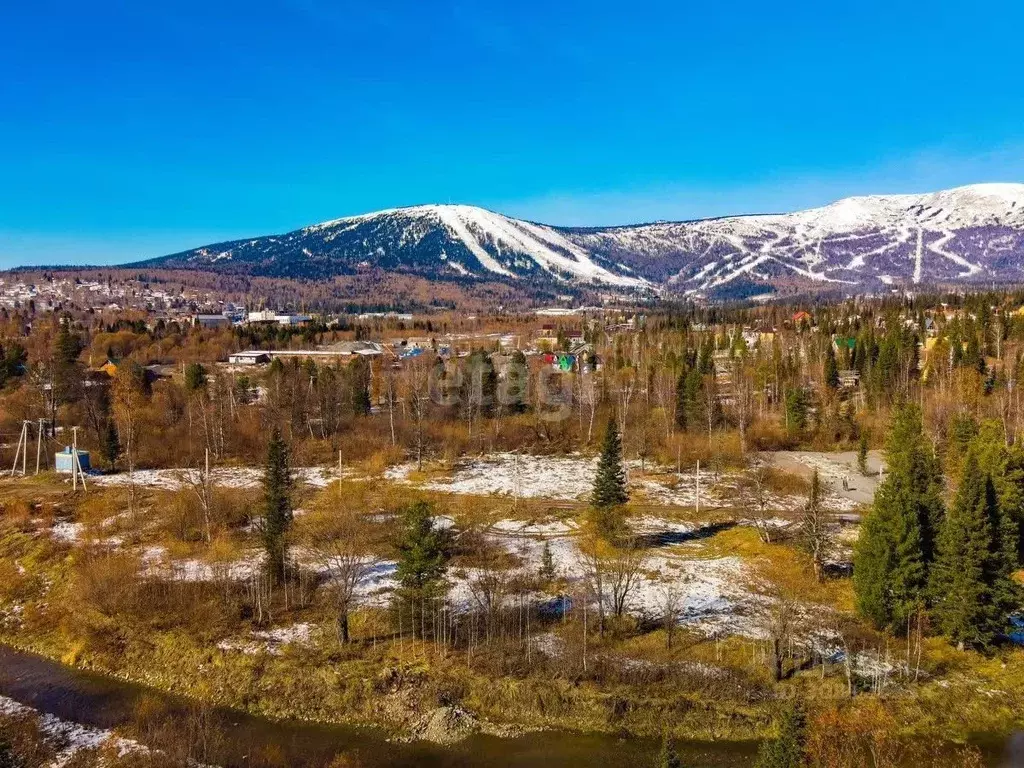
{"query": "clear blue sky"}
{"type": "Point", "coordinates": [132, 129]}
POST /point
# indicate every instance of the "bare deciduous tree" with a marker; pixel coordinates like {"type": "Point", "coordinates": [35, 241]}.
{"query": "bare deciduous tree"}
{"type": "Point", "coordinates": [671, 594]}
{"type": "Point", "coordinates": [756, 497]}
{"type": "Point", "coordinates": [336, 538]}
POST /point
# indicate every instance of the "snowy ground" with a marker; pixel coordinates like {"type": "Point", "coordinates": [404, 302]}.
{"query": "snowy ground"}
{"type": "Point", "coordinates": [833, 468]}
{"type": "Point", "coordinates": [713, 596]}
{"type": "Point", "coordinates": [157, 564]}
{"type": "Point", "coordinates": [712, 588]}
{"type": "Point", "coordinates": [69, 738]}
{"type": "Point", "coordinates": [716, 596]}
{"type": "Point", "coordinates": [571, 478]}
{"type": "Point", "coordinates": [507, 474]}
{"type": "Point", "coordinates": [271, 641]}
{"type": "Point", "coordinates": [560, 478]}
{"type": "Point", "coordinates": [224, 477]}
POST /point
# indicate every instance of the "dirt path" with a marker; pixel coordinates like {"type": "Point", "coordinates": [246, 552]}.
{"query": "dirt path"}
{"type": "Point", "coordinates": [832, 468]}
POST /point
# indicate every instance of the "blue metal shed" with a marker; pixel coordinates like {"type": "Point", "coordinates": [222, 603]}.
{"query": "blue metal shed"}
{"type": "Point", "coordinates": [63, 460]}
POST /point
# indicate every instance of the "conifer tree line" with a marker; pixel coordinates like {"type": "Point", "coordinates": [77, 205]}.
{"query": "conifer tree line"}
{"type": "Point", "coordinates": [776, 380]}
{"type": "Point", "coordinates": [950, 559]}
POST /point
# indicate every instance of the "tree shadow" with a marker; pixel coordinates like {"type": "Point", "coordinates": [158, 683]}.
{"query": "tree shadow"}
{"type": "Point", "coordinates": [668, 538]}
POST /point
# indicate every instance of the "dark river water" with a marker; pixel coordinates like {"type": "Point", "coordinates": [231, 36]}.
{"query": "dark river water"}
{"type": "Point", "coordinates": [96, 700]}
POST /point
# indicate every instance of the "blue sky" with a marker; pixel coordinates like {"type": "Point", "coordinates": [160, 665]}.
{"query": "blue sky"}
{"type": "Point", "coordinates": [133, 129]}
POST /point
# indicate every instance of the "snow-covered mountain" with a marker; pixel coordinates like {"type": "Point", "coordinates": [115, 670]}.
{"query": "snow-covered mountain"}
{"type": "Point", "coordinates": [859, 244]}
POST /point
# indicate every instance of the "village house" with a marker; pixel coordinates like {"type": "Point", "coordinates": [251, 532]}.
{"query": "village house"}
{"type": "Point", "coordinates": [250, 357]}
{"type": "Point", "coordinates": [211, 321]}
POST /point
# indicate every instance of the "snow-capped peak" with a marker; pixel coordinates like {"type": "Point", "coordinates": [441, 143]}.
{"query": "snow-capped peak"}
{"type": "Point", "coordinates": [861, 243]}
{"type": "Point", "coordinates": [496, 241]}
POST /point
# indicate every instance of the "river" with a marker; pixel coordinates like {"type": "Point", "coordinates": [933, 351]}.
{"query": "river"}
{"type": "Point", "coordinates": [96, 700]}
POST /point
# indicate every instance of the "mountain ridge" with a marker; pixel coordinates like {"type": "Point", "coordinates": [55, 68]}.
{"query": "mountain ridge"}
{"type": "Point", "coordinates": [868, 242]}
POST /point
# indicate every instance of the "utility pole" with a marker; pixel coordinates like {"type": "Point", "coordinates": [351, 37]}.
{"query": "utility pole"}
{"type": "Point", "coordinates": [22, 447]}
{"type": "Point", "coordinates": [76, 463]}
{"type": "Point", "coordinates": [74, 458]}
{"type": "Point", "coordinates": [698, 486]}
{"type": "Point", "coordinates": [39, 444]}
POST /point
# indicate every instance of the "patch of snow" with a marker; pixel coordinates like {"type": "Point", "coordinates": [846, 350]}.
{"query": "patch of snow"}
{"type": "Point", "coordinates": [70, 737]}
{"type": "Point", "coordinates": [224, 477]}
{"type": "Point", "coordinates": [67, 532]}
{"type": "Point", "coordinates": [565, 478]}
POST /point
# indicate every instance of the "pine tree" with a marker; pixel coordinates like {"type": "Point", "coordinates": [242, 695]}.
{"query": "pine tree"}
{"type": "Point", "coordinates": [277, 509]}
{"type": "Point", "coordinates": [910, 456]}
{"type": "Point", "coordinates": [361, 402]}
{"type": "Point", "coordinates": [831, 369]}
{"type": "Point", "coordinates": [547, 563]}
{"type": "Point", "coordinates": [896, 545]}
{"type": "Point", "coordinates": [422, 561]}
{"type": "Point", "coordinates": [195, 377]}
{"type": "Point", "coordinates": [668, 757]}
{"type": "Point", "coordinates": [862, 455]}
{"type": "Point", "coordinates": [796, 410]}
{"type": "Point", "coordinates": [786, 750]}
{"type": "Point", "coordinates": [610, 482]}
{"type": "Point", "coordinates": [423, 550]}
{"type": "Point", "coordinates": [67, 346]}
{"type": "Point", "coordinates": [111, 444]}
{"type": "Point", "coordinates": [971, 582]}
{"type": "Point", "coordinates": [682, 400]}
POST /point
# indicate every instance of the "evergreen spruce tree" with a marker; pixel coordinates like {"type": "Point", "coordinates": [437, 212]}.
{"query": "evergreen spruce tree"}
{"type": "Point", "coordinates": [668, 757]}
{"type": "Point", "coordinates": [67, 346]}
{"type": "Point", "coordinates": [480, 385]}
{"type": "Point", "coordinates": [517, 382]}
{"type": "Point", "coordinates": [195, 377]}
{"type": "Point", "coordinates": [111, 444]}
{"type": "Point", "coordinates": [896, 545]}
{"type": "Point", "coordinates": [972, 355]}
{"type": "Point", "coordinates": [971, 582]}
{"type": "Point", "coordinates": [682, 400]}
{"type": "Point", "coordinates": [862, 454]}
{"type": "Point", "coordinates": [1005, 464]}
{"type": "Point", "coordinates": [831, 369]}
{"type": "Point", "coordinates": [361, 403]}
{"type": "Point", "coordinates": [796, 410]}
{"type": "Point", "coordinates": [1007, 594]}
{"type": "Point", "coordinates": [422, 562]}
{"type": "Point", "coordinates": [910, 457]}
{"type": "Point", "coordinates": [547, 563]}
{"type": "Point", "coordinates": [705, 360]}
{"type": "Point", "coordinates": [610, 482]}
{"type": "Point", "coordinates": [786, 750]}
{"type": "Point", "coordinates": [277, 505]}
{"type": "Point", "coordinates": [694, 385]}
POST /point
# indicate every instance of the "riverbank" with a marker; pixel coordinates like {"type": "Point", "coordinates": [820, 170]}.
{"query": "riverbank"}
{"type": "Point", "coordinates": [396, 693]}
{"type": "Point", "coordinates": [101, 703]}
